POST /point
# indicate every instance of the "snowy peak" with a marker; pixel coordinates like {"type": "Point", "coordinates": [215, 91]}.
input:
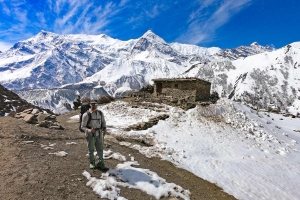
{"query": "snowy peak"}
{"type": "Point", "coordinates": [244, 51]}
{"type": "Point", "coordinates": [149, 35]}
{"type": "Point", "coordinates": [42, 36]}
{"type": "Point", "coordinates": [151, 45]}
{"type": "Point", "coordinates": [254, 44]}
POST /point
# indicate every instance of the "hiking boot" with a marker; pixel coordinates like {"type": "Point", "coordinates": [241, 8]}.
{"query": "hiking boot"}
{"type": "Point", "coordinates": [101, 166]}
{"type": "Point", "coordinates": [92, 166]}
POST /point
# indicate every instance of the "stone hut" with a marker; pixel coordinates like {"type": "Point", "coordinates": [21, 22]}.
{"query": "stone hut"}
{"type": "Point", "coordinates": [190, 89]}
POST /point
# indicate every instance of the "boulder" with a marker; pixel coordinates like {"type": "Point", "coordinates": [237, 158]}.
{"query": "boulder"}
{"type": "Point", "coordinates": [28, 118]}
{"type": "Point", "coordinates": [28, 111]}
{"type": "Point", "coordinates": [35, 111]}
{"type": "Point", "coordinates": [41, 117]}
{"type": "Point", "coordinates": [52, 117]}
{"type": "Point", "coordinates": [45, 124]}
{"type": "Point", "coordinates": [23, 114]}
{"type": "Point", "coordinates": [17, 116]}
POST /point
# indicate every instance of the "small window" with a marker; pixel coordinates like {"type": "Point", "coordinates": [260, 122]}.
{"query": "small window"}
{"type": "Point", "coordinates": [176, 85]}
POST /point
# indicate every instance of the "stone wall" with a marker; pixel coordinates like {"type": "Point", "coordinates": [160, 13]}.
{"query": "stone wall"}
{"type": "Point", "coordinates": [178, 94]}
{"type": "Point", "coordinates": [190, 89]}
{"type": "Point", "coordinates": [203, 91]}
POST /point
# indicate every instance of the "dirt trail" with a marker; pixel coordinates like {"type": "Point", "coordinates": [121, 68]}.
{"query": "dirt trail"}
{"type": "Point", "coordinates": [29, 172]}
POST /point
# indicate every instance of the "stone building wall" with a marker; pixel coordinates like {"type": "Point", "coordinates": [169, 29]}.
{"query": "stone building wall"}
{"type": "Point", "coordinates": [203, 90]}
{"type": "Point", "coordinates": [178, 94]}
{"type": "Point", "coordinates": [191, 89]}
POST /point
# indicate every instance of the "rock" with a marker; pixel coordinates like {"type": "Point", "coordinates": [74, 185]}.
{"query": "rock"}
{"type": "Point", "coordinates": [28, 111]}
{"type": "Point", "coordinates": [41, 117]}
{"type": "Point", "coordinates": [56, 127]}
{"type": "Point", "coordinates": [143, 126]}
{"type": "Point", "coordinates": [28, 118]}
{"type": "Point", "coordinates": [27, 142]}
{"type": "Point", "coordinates": [35, 111]}
{"type": "Point", "coordinates": [52, 117]}
{"type": "Point", "coordinates": [17, 116]}
{"type": "Point", "coordinates": [56, 123]}
{"type": "Point", "coordinates": [22, 114]}
{"type": "Point", "coordinates": [45, 124]}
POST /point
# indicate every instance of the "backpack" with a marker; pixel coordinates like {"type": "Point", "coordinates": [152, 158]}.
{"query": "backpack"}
{"type": "Point", "coordinates": [85, 108]}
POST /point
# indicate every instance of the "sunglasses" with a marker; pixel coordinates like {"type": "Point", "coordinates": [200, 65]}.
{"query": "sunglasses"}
{"type": "Point", "coordinates": [94, 104]}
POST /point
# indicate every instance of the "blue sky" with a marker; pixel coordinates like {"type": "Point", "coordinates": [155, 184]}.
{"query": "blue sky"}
{"type": "Point", "coordinates": [221, 23]}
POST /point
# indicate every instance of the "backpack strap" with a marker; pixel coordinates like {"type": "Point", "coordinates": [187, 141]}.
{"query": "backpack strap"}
{"type": "Point", "coordinates": [101, 114]}
{"type": "Point", "coordinates": [90, 117]}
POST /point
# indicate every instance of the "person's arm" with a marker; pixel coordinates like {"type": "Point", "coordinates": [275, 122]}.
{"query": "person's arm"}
{"type": "Point", "coordinates": [84, 123]}
{"type": "Point", "coordinates": [103, 122]}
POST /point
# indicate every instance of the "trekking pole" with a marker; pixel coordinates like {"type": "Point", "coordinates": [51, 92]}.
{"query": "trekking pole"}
{"type": "Point", "coordinates": [102, 160]}
{"type": "Point", "coordinates": [93, 151]}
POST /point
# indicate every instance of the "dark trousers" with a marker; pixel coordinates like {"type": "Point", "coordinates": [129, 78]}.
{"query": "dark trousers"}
{"type": "Point", "coordinates": [95, 141]}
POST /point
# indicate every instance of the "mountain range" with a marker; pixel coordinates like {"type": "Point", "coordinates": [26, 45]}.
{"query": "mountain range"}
{"type": "Point", "coordinates": [51, 69]}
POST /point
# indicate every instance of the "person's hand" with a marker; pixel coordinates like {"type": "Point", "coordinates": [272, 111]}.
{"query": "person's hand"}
{"type": "Point", "coordinates": [104, 131]}
{"type": "Point", "coordinates": [92, 130]}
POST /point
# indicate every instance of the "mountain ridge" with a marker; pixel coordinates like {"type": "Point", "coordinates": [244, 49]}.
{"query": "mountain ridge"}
{"type": "Point", "coordinates": [50, 60]}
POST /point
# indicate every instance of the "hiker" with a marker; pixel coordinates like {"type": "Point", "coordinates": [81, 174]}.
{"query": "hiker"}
{"type": "Point", "coordinates": [94, 126]}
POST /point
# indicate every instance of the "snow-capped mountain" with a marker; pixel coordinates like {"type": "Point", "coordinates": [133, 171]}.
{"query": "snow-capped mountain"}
{"type": "Point", "coordinates": [52, 61]}
{"type": "Point", "coordinates": [49, 60]}
{"type": "Point", "coordinates": [268, 80]}
{"type": "Point", "coordinates": [244, 51]}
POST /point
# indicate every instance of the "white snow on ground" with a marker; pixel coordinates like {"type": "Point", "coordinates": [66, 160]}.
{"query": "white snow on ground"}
{"type": "Point", "coordinates": [250, 155]}
{"type": "Point", "coordinates": [110, 155]}
{"type": "Point", "coordinates": [60, 153]}
{"type": "Point", "coordinates": [75, 117]}
{"type": "Point", "coordinates": [119, 116]}
{"type": "Point", "coordinates": [126, 175]}
{"type": "Point", "coordinates": [71, 143]}
{"type": "Point", "coordinates": [48, 147]}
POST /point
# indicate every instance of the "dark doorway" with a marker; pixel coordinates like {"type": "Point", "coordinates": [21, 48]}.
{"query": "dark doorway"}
{"type": "Point", "coordinates": [158, 88]}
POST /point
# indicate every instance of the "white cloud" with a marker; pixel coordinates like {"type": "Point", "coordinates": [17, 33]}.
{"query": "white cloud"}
{"type": "Point", "coordinates": [41, 18]}
{"type": "Point", "coordinates": [5, 46]}
{"type": "Point", "coordinates": [5, 9]}
{"type": "Point", "coordinates": [123, 2]}
{"type": "Point", "coordinates": [202, 27]}
{"type": "Point", "coordinates": [154, 12]}
{"type": "Point", "coordinates": [84, 17]}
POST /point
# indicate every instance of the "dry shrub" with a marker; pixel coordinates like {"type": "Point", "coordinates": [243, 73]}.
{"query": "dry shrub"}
{"type": "Point", "coordinates": [105, 99]}
{"type": "Point", "coordinates": [85, 100]}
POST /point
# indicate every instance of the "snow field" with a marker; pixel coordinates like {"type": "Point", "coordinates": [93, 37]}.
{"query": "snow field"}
{"type": "Point", "coordinates": [226, 143]}
{"type": "Point", "coordinates": [125, 175]}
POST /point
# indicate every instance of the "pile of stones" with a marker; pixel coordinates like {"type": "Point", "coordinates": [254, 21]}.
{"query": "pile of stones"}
{"type": "Point", "coordinates": [145, 125]}
{"type": "Point", "coordinates": [40, 118]}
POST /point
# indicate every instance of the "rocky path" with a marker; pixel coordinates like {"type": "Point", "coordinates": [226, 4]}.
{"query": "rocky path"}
{"type": "Point", "coordinates": [28, 171]}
